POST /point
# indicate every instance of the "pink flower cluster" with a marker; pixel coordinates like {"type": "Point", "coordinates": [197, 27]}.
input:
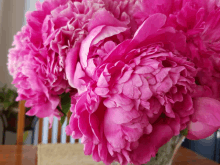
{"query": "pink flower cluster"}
{"type": "Point", "coordinates": [144, 70]}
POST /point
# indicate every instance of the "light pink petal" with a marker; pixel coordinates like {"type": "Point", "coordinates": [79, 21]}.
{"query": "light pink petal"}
{"type": "Point", "coordinates": [86, 43]}
{"type": "Point", "coordinates": [149, 27]}
{"type": "Point", "coordinates": [198, 130]}
{"type": "Point", "coordinates": [78, 82]}
{"type": "Point", "coordinates": [125, 77]}
{"type": "Point", "coordinates": [88, 148]}
{"type": "Point", "coordinates": [146, 91]}
{"type": "Point", "coordinates": [73, 129]}
{"type": "Point", "coordinates": [207, 111]}
{"type": "Point", "coordinates": [162, 74]}
{"type": "Point", "coordinates": [108, 31]}
{"type": "Point", "coordinates": [70, 64]}
{"type": "Point", "coordinates": [101, 91]}
{"type": "Point", "coordinates": [102, 81]}
{"type": "Point", "coordinates": [80, 105]}
{"type": "Point", "coordinates": [103, 17]}
{"type": "Point", "coordinates": [121, 116]}
{"type": "Point", "coordinates": [109, 46]}
{"type": "Point", "coordinates": [113, 132]}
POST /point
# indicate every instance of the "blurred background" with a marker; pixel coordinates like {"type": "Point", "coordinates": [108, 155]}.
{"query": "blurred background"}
{"type": "Point", "coordinates": [12, 18]}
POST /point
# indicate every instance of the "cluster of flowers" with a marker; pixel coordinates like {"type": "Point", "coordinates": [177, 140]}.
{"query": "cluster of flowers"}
{"type": "Point", "coordinates": [144, 70]}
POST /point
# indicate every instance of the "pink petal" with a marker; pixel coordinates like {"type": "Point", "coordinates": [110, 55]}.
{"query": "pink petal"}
{"type": "Point", "coordinates": [78, 82]}
{"type": "Point", "coordinates": [94, 123]}
{"type": "Point", "coordinates": [207, 111]}
{"type": "Point", "coordinates": [108, 31]}
{"type": "Point", "coordinates": [86, 43]}
{"type": "Point", "coordinates": [88, 148]}
{"type": "Point", "coordinates": [101, 91]}
{"type": "Point", "coordinates": [84, 125]}
{"type": "Point", "coordinates": [150, 26]}
{"type": "Point", "coordinates": [121, 116]}
{"type": "Point", "coordinates": [113, 132]}
{"type": "Point", "coordinates": [103, 17]}
{"type": "Point", "coordinates": [199, 130]}
{"type": "Point", "coordinates": [118, 52]}
{"type": "Point", "coordinates": [149, 144]}
{"type": "Point", "coordinates": [70, 64]}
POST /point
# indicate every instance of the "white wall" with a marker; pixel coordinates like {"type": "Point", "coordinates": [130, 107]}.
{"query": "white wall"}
{"type": "Point", "coordinates": [11, 20]}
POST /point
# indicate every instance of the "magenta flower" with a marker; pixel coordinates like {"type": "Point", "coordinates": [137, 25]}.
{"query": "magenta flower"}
{"type": "Point", "coordinates": [199, 21]}
{"type": "Point", "coordinates": [140, 96]}
{"type": "Point", "coordinates": [94, 48]}
{"type": "Point", "coordinates": [106, 30]}
{"type": "Point", "coordinates": [45, 48]}
{"type": "Point", "coordinates": [46, 51]}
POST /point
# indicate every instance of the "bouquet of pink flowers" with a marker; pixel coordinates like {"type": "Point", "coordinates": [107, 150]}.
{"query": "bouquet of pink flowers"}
{"type": "Point", "coordinates": [133, 73]}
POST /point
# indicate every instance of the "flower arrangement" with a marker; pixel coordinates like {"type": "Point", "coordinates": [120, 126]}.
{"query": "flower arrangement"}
{"type": "Point", "coordinates": [133, 73]}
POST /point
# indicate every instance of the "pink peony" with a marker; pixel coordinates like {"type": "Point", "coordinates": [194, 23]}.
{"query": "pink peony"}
{"type": "Point", "coordinates": [46, 51]}
{"type": "Point", "coordinates": [45, 48]}
{"type": "Point", "coordinates": [105, 32]}
{"type": "Point", "coordinates": [138, 98]}
{"type": "Point", "coordinates": [124, 10]}
{"type": "Point", "coordinates": [198, 20]}
{"type": "Point", "coordinates": [94, 48]}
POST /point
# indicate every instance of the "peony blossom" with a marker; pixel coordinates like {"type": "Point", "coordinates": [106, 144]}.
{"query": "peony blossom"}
{"type": "Point", "coordinates": [139, 97]}
{"type": "Point", "coordinates": [198, 20]}
{"type": "Point", "coordinates": [106, 30]}
{"type": "Point", "coordinates": [46, 51]}
{"type": "Point", "coordinates": [94, 48]}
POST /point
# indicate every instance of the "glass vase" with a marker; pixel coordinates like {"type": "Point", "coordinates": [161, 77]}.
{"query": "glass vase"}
{"type": "Point", "coordinates": [165, 153]}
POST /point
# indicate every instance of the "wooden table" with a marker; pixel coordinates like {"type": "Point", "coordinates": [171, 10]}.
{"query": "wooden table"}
{"type": "Point", "coordinates": [27, 155]}
{"type": "Point", "coordinates": [188, 157]}
{"type": "Point", "coordinates": [18, 155]}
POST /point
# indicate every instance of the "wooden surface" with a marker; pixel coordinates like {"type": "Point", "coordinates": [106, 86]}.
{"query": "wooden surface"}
{"type": "Point", "coordinates": [63, 154]}
{"type": "Point", "coordinates": [40, 129]}
{"type": "Point", "coordinates": [18, 155]}
{"type": "Point", "coordinates": [21, 120]}
{"type": "Point", "coordinates": [187, 157]}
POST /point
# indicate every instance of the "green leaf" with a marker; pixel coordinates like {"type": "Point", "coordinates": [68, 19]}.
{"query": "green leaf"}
{"type": "Point", "coordinates": [156, 156]}
{"type": "Point", "coordinates": [7, 98]}
{"type": "Point", "coordinates": [4, 88]}
{"type": "Point", "coordinates": [62, 119]}
{"type": "Point", "coordinates": [65, 104]}
{"type": "Point", "coordinates": [7, 105]}
{"type": "Point", "coordinates": [2, 96]}
{"type": "Point", "coordinates": [184, 132]}
{"type": "Point", "coordinates": [10, 95]}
